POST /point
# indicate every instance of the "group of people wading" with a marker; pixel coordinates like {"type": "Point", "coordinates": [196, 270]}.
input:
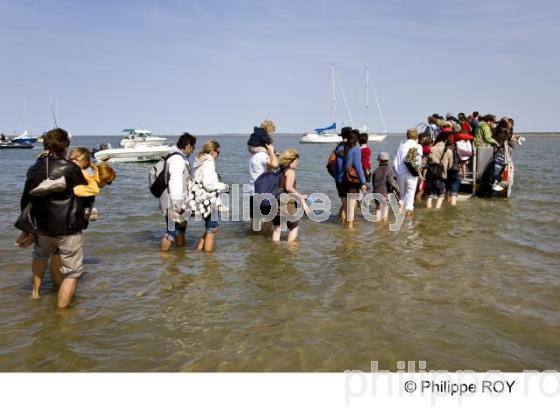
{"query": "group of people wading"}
{"type": "Point", "coordinates": [429, 164]}
{"type": "Point", "coordinates": [57, 200]}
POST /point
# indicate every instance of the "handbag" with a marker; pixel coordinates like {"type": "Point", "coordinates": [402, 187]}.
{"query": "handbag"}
{"type": "Point", "coordinates": [435, 169]}
{"type": "Point", "coordinates": [411, 161]}
{"type": "Point", "coordinates": [352, 175]}
{"type": "Point", "coordinates": [198, 200]}
{"type": "Point", "coordinates": [24, 221]}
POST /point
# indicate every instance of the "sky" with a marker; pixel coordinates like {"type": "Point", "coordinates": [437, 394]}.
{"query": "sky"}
{"type": "Point", "coordinates": [223, 66]}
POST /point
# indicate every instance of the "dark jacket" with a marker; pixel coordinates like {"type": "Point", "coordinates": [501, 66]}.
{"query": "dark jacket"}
{"type": "Point", "coordinates": [259, 138]}
{"type": "Point", "coordinates": [502, 135]}
{"type": "Point", "coordinates": [383, 179]}
{"type": "Point", "coordinates": [58, 213]}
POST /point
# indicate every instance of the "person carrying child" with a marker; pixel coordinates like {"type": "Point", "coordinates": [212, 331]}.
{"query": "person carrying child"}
{"type": "Point", "coordinates": [57, 215]}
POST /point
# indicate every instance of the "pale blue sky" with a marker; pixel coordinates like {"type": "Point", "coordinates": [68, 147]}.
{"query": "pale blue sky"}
{"type": "Point", "coordinates": [221, 66]}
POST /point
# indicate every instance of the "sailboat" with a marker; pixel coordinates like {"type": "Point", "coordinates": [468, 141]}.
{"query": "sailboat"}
{"type": "Point", "coordinates": [322, 135]}
{"type": "Point", "coordinates": [24, 137]}
{"type": "Point", "coordinates": [373, 136]}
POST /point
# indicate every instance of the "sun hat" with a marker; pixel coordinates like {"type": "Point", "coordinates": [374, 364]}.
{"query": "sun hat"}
{"type": "Point", "coordinates": [384, 156]}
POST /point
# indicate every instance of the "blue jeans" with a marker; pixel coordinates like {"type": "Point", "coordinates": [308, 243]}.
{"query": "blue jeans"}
{"type": "Point", "coordinates": [174, 228]}
{"type": "Point", "coordinates": [453, 182]}
{"type": "Point", "coordinates": [210, 225]}
{"type": "Point", "coordinates": [499, 165]}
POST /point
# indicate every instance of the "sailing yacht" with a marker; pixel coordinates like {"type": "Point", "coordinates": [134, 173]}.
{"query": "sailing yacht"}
{"type": "Point", "coordinates": [373, 136]}
{"type": "Point", "coordinates": [24, 137]}
{"type": "Point", "coordinates": [326, 135]}
{"type": "Point", "coordinates": [329, 134]}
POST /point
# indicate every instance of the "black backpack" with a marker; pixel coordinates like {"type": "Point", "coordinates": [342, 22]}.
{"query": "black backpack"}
{"type": "Point", "coordinates": [157, 177]}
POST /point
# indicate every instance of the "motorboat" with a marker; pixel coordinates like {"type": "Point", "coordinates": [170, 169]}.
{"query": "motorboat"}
{"type": "Point", "coordinates": [15, 145]}
{"type": "Point", "coordinates": [137, 145]}
{"type": "Point", "coordinates": [133, 137]}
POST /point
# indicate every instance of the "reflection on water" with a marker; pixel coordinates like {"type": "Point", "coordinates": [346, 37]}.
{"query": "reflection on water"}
{"type": "Point", "coordinates": [475, 287]}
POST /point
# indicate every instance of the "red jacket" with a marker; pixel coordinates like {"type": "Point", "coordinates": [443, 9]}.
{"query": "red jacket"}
{"type": "Point", "coordinates": [463, 136]}
{"type": "Point", "coordinates": [465, 126]}
{"type": "Point", "coordinates": [366, 158]}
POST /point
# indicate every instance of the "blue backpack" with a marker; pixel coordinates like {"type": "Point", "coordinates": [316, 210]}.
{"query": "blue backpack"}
{"type": "Point", "coordinates": [268, 183]}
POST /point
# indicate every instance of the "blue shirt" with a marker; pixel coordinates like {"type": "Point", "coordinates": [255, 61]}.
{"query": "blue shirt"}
{"type": "Point", "coordinates": [339, 166]}
{"type": "Point", "coordinates": [353, 159]}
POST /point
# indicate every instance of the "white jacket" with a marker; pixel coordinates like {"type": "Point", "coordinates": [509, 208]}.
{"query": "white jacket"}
{"type": "Point", "coordinates": [177, 167]}
{"type": "Point", "coordinates": [402, 151]}
{"type": "Point", "coordinates": [204, 172]}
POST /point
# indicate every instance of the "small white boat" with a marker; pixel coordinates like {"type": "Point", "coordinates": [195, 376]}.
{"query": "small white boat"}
{"type": "Point", "coordinates": [318, 138]}
{"type": "Point", "coordinates": [331, 138]}
{"type": "Point", "coordinates": [134, 137]}
{"type": "Point", "coordinates": [14, 145]}
{"type": "Point", "coordinates": [376, 137]}
{"type": "Point", "coordinates": [328, 135]}
{"type": "Point", "coordinates": [136, 146]}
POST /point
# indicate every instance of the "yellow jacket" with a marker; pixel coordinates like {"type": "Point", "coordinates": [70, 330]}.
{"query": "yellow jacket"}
{"type": "Point", "coordinates": [92, 187]}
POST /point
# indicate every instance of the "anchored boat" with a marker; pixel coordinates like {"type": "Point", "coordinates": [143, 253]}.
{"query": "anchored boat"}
{"type": "Point", "coordinates": [15, 145]}
{"type": "Point", "coordinates": [328, 135]}
{"type": "Point", "coordinates": [137, 145]}
{"type": "Point", "coordinates": [480, 171]}
{"type": "Point", "coordinates": [25, 138]}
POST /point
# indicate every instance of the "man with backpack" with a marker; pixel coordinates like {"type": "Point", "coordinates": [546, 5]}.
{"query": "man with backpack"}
{"type": "Point", "coordinates": [335, 167]}
{"type": "Point", "coordinates": [177, 174]}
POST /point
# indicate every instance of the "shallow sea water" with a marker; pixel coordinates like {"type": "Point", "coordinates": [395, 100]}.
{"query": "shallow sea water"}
{"type": "Point", "coordinates": [472, 287]}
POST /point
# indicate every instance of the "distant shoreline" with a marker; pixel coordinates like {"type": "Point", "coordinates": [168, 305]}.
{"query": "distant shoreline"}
{"type": "Point", "coordinates": [389, 134]}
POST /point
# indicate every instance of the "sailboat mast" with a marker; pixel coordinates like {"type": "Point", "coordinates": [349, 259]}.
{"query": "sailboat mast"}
{"type": "Point", "coordinates": [367, 100]}
{"type": "Point", "coordinates": [378, 105]}
{"type": "Point", "coordinates": [25, 112]}
{"type": "Point", "coordinates": [333, 92]}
